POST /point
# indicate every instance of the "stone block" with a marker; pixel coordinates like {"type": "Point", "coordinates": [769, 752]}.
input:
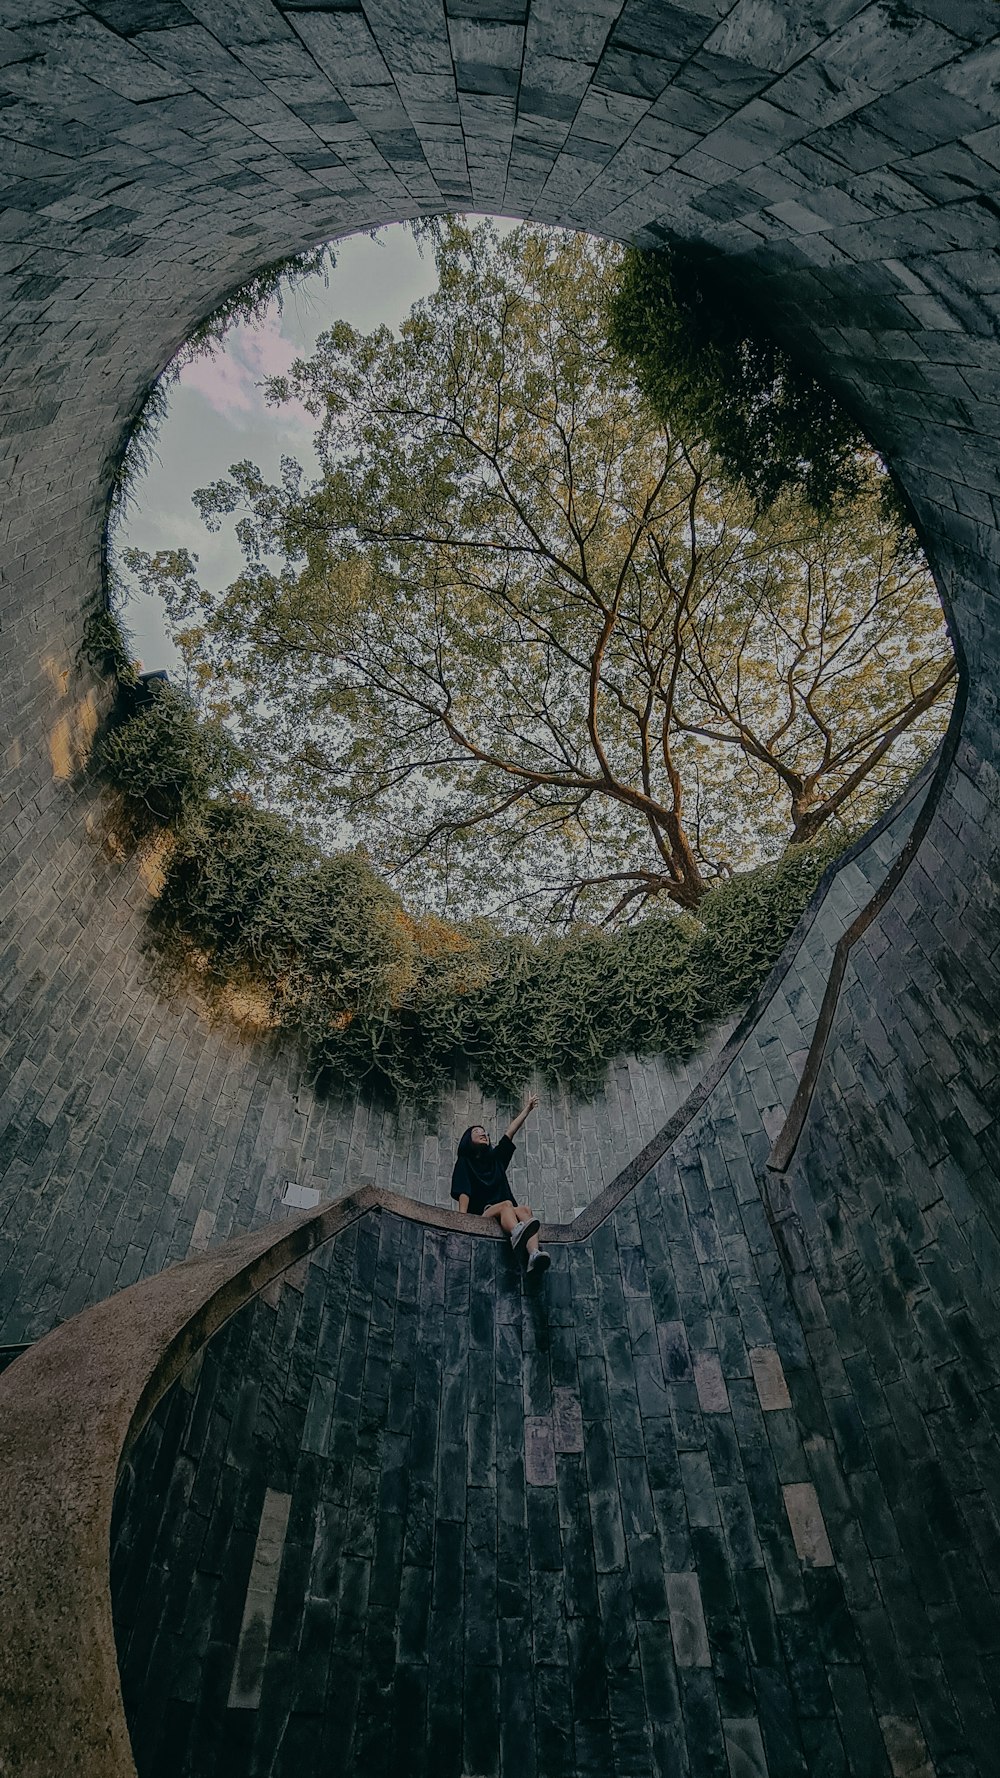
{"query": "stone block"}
{"type": "Point", "coordinates": [539, 1452]}
{"type": "Point", "coordinates": [258, 1611]}
{"type": "Point", "coordinates": [769, 1378]}
{"type": "Point", "coordinates": [812, 1545]}
{"type": "Point", "coordinates": [710, 1383]}
{"type": "Point", "coordinates": [687, 1621]}
{"type": "Point", "coordinates": [744, 1747]}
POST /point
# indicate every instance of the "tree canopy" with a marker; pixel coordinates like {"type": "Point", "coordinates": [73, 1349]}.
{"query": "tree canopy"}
{"type": "Point", "coordinates": [522, 642]}
{"type": "Point", "coordinates": [705, 358]}
{"type": "Point", "coordinates": [313, 946]}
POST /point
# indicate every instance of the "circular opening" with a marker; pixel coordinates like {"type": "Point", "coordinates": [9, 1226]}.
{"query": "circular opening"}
{"type": "Point", "coordinates": [508, 727]}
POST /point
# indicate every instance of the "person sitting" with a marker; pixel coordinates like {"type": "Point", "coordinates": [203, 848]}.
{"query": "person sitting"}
{"type": "Point", "coordinates": [479, 1184]}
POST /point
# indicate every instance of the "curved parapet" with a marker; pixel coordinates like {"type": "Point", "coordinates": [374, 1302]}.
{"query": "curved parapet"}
{"type": "Point", "coordinates": [634, 1495]}
{"type": "Point", "coordinates": [403, 1509]}
{"type": "Point", "coordinates": [69, 1410]}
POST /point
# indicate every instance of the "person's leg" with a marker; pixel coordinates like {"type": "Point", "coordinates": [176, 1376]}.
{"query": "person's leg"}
{"type": "Point", "coordinates": [506, 1215]}
{"type": "Point", "coordinates": [538, 1259]}
{"type": "Point", "coordinates": [512, 1219]}
{"type": "Point", "coordinates": [521, 1225]}
{"type": "Point", "coordinates": [523, 1214]}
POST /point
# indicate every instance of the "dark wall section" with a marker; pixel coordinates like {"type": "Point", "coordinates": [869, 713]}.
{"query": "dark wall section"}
{"type": "Point", "coordinates": [500, 1505]}
{"type": "Point", "coordinates": [897, 1276]}
{"type": "Point", "coordinates": [413, 1515]}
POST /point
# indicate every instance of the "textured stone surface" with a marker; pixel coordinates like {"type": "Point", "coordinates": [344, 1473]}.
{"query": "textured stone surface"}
{"type": "Point", "coordinates": [688, 1579]}
{"type": "Point", "coordinates": [219, 1137]}
{"type": "Point", "coordinates": [68, 1408]}
{"type": "Point", "coordinates": [845, 161]}
{"type": "Point", "coordinates": [457, 1590]}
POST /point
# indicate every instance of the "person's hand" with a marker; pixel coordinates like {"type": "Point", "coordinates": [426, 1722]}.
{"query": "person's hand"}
{"type": "Point", "coordinates": [532, 1102]}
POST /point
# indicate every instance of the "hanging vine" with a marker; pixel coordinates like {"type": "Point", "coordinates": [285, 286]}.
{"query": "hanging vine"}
{"type": "Point", "coordinates": [399, 1002]}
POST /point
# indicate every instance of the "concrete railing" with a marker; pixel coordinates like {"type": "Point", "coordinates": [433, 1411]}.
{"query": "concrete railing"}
{"type": "Point", "coordinates": [70, 1410]}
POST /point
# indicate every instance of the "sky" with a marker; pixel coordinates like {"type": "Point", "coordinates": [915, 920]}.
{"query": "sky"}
{"type": "Point", "coordinates": [218, 416]}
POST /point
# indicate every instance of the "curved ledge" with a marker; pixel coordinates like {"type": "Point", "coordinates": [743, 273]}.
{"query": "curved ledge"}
{"type": "Point", "coordinates": [70, 1409]}
{"type": "Point", "coordinates": [72, 1406]}
{"type": "Point", "coordinates": [930, 779]}
{"type": "Point", "coordinates": [787, 1139]}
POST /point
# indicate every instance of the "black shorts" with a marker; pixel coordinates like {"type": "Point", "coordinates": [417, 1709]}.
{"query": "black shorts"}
{"type": "Point", "coordinates": [479, 1209]}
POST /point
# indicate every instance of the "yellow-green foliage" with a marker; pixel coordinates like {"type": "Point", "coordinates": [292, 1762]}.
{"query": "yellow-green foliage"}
{"type": "Point", "coordinates": [161, 756]}
{"type": "Point", "coordinates": [741, 920]}
{"type": "Point", "coordinates": [379, 996]}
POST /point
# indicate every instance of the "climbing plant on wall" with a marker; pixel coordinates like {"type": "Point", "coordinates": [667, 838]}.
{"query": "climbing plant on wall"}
{"type": "Point", "coordinates": [379, 996]}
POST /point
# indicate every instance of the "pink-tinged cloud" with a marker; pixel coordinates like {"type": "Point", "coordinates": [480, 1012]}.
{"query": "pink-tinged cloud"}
{"type": "Point", "coordinates": [229, 379]}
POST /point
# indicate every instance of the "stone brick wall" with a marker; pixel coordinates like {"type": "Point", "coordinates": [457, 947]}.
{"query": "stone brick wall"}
{"type": "Point", "coordinates": [182, 1136]}
{"type": "Point", "coordinates": [846, 161]}
{"type": "Point", "coordinates": [410, 1514]}
{"type": "Point", "coordinates": [415, 1512]}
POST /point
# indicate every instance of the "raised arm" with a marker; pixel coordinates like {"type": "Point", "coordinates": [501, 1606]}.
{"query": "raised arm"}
{"type": "Point", "coordinates": [463, 1203]}
{"type": "Point", "coordinates": [516, 1122]}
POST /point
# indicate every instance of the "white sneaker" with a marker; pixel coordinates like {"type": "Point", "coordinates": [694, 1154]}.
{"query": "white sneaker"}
{"type": "Point", "coordinates": [539, 1261]}
{"type": "Point", "coordinates": [523, 1232]}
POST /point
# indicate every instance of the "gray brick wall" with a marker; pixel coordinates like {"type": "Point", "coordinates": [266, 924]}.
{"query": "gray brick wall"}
{"type": "Point", "coordinates": [845, 162]}
{"type": "Point", "coordinates": [414, 1512]}
{"type": "Point", "coordinates": [133, 1132]}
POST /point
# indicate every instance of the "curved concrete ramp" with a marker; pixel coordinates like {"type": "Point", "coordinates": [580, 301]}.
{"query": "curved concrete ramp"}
{"type": "Point", "coordinates": [69, 1410]}
{"type": "Point", "coordinates": [411, 1514]}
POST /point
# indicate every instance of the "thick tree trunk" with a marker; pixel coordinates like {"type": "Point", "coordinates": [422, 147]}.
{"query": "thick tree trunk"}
{"type": "Point", "coordinates": [689, 893]}
{"type": "Point", "coordinates": [690, 887]}
{"type": "Point", "coordinates": [806, 822]}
